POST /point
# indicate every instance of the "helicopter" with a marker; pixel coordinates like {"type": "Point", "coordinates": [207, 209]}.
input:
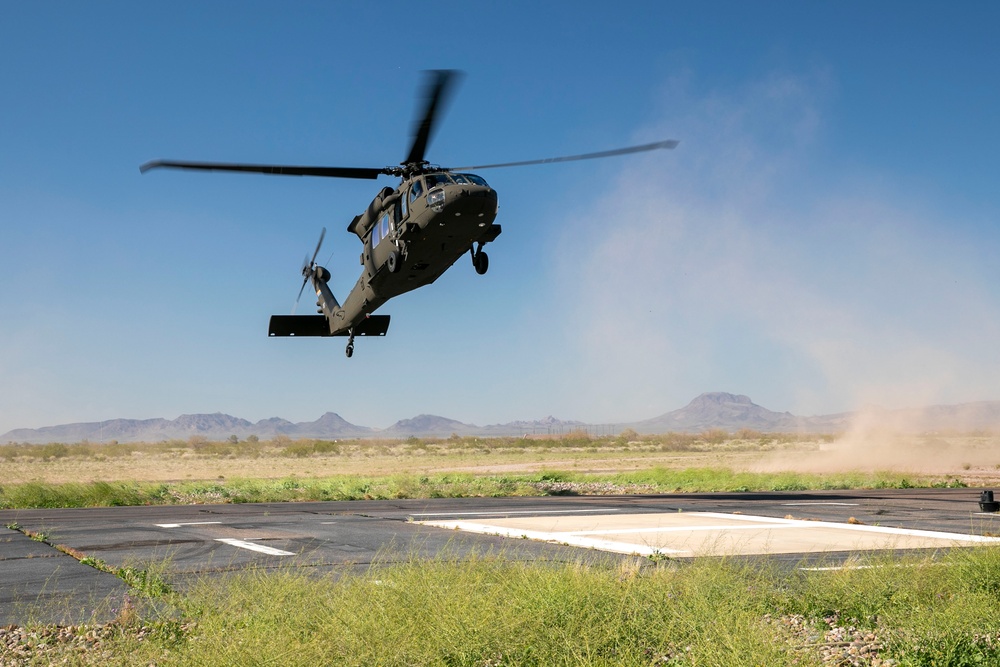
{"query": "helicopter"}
{"type": "Point", "coordinates": [410, 234]}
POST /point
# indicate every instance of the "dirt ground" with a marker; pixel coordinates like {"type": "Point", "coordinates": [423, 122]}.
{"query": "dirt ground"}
{"type": "Point", "coordinates": [159, 467]}
{"type": "Point", "coordinates": [971, 458]}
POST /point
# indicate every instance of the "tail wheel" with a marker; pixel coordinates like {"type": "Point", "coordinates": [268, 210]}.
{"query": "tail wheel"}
{"type": "Point", "coordinates": [350, 344]}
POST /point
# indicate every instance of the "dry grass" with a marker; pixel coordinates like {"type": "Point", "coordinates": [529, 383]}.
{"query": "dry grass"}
{"type": "Point", "coordinates": [486, 610]}
{"type": "Point", "coordinates": [972, 458]}
{"type": "Point", "coordinates": [200, 460]}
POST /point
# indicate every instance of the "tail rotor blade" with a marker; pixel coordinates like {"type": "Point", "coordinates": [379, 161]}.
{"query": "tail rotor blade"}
{"type": "Point", "coordinates": [302, 289]}
{"type": "Point", "coordinates": [309, 269]}
{"type": "Point", "coordinates": [306, 274]}
{"type": "Point", "coordinates": [322, 234]}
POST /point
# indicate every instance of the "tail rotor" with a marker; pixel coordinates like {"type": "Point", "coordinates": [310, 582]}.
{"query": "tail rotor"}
{"type": "Point", "coordinates": [311, 271]}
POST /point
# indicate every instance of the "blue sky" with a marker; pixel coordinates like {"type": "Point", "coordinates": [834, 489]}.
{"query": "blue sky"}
{"type": "Point", "coordinates": [824, 237]}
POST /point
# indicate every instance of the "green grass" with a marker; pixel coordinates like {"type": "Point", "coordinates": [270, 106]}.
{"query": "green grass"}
{"type": "Point", "coordinates": [487, 610]}
{"type": "Point", "coordinates": [930, 612]}
{"type": "Point", "coordinates": [349, 487]}
{"type": "Point", "coordinates": [481, 611]}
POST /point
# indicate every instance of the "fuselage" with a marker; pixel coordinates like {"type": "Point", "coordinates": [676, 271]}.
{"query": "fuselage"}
{"type": "Point", "coordinates": [413, 234]}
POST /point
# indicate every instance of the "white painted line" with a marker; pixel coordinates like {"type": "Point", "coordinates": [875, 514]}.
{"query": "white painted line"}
{"type": "Point", "coordinates": [569, 539]}
{"type": "Point", "coordinates": [819, 503]}
{"type": "Point", "coordinates": [243, 544]}
{"type": "Point", "coordinates": [750, 517]}
{"type": "Point", "coordinates": [834, 568]}
{"type": "Point", "coordinates": [958, 537]}
{"type": "Point", "coordinates": [687, 529]}
{"type": "Point", "coordinates": [912, 532]}
{"type": "Point", "coordinates": [508, 512]}
{"type": "Point", "coordinates": [178, 525]}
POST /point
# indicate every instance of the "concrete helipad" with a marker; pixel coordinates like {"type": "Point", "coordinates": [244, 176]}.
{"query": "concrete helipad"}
{"type": "Point", "coordinates": [709, 533]}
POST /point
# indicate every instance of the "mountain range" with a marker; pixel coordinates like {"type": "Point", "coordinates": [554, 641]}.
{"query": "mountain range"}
{"type": "Point", "coordinates": [715, 410]}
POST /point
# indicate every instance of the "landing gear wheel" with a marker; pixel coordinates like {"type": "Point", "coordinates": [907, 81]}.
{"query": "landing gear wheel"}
{"type": "Point", "coordinates": [393, 262]}
{"type": "Point", "coordinates": [350, 350]}
{"type": "Point", "coordinates": [481, 261]}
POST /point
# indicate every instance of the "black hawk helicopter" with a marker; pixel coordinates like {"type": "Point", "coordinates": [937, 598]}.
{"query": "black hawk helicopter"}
{"type": "Point", "coordinates": [411, 234]}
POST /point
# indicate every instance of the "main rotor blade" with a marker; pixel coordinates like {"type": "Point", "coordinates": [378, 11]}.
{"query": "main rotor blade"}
{"type": "Point", "coordinates": [570, 158]}
{"type": "Point", "coordinates": [437, 89]}
{"type": "Point", "coordinates": [330, 172]}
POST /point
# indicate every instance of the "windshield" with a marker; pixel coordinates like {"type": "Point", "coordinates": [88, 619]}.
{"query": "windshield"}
{"type": "Point", "coordinates": [478, 180]}
{"type": "Point", "coordinates": [434, 180]}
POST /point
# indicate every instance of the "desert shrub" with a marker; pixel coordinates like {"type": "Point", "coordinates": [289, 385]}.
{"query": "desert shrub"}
{"type": "Point", "coordinates": [677, 442]}
{"type": "Point", "coordinates": [299, 449]}
{"type": "Point", "coordinates": [627, 436]}
{"type": "Point", "coordinates": [326, 447]}
{"type": "Point", "coordinates": [715, 436]}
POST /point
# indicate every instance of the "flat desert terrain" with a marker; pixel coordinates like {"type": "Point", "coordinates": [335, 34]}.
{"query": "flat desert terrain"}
{"type": "Point", "coordinates": [972, 458]}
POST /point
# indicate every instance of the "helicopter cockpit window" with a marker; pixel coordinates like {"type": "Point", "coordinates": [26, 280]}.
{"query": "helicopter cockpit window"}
{"type": "Point", "coordinates": [460, 179]}
{"type": "Point", "coordinates": [434, 180]}
{"type": "Point", "coordinates": [416, 190]}
{"type": "Point", "coordinates": [384, 226]}
{"type": "Point", "coordinates": [478, 180]}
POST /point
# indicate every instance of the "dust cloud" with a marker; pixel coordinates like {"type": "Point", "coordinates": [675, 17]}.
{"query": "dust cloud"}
{"type": "Point", "coordinates": [883, 440]}
{"type": "Point", "coordinates": [745, 261]}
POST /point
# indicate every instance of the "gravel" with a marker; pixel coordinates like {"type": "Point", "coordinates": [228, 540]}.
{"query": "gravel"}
{"type": "Point", "coordinates": [68, 644]}
{"type": "Point", "coordinates": [836, 645]}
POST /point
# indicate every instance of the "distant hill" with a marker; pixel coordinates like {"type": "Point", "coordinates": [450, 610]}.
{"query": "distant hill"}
{"type": "Point", "coordinates": [429, 426]}
{"type": "Point", "coordinates": [216, 426]}
{"type": "Point", "coordinates": [732, 412]}
{"type": "Point", "coordinates": [715, 410]}
{"type": "Point", "coordinates": [547, 426]}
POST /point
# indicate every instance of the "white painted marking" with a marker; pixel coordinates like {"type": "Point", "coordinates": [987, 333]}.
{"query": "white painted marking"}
{"type": "Point", "coordinates": [589, 539]}
{"type": "Point", "coordinates": [819, 503]}
{"type": "Point", "coordinates": [913, 532]}
{"type": "Point", "coordinates": [569, 539]}
{"type": "Point", "coordinates": [243, 544]}
{"type": "Point", "coordinates": [833, 568]}
{"type": "Point", "coordinates": [750, 517]}
{"type": "Point", "coordinates": [685, 529]}
{"type": "Point", "coordinates": [509, 512]}
{"type": "Point", "coordinates": [193, 523]}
